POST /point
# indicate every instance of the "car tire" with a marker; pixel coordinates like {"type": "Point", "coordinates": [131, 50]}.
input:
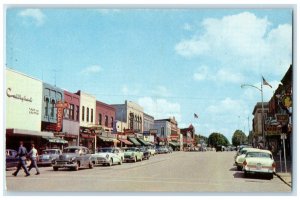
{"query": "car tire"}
{"type": "Point", "coordinates": [110, 162]}
{"type": "Point", "coordinates": [55, 168]}
{"type": "Point", "coordinates": [271, 176]}
{"type": "Point", "coordinates": [76, 168]}
{"type": "Point", "coordinates": [246, 174]}
{"type": "Point", "coordinates": [91, 165]}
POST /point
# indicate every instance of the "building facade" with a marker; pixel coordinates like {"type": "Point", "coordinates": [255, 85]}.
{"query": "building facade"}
{"type": "Point", "coordinates": [71, 126]}
{"type": "Point", "coordinates": [257, 124]}
{"type": "Point", "coordinates": [23, 100]}
{"type": "Point", "coordinates": [87, 135]}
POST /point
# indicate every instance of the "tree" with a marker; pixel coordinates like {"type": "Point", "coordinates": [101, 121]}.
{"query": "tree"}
{"type": "Point", "coordinates": [198, 139]}
{"type": "Point", "coordinates": [215, 139]}
{"type": "Point", "coordinates": [239, 138]}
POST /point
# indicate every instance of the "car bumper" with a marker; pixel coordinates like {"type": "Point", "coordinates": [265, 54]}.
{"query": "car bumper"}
{"type": "Point", "coordinates": [263, 170]}
{"type": "Point", "coordinates": [65, 164]}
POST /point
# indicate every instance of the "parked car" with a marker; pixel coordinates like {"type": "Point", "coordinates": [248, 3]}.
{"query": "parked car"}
{"type": "Point", "coordinates": [170, 149]}
{"type": "Point", "coordinates": [48, 156]}
{"type": "Point", "coordinates": [259, 162]}
{"type": "Point", "coordinates": [146, 153]}
{"type": "Point", "coordinates": [152, 150]}
{"type": "Point", "coordinates": [240, 159]}
{"type": "Point", "coordinates": [108, 156]}
{"type": "Point", "coordinates": [162, 149]}
{"type": "Point", "coordinates": [219, 148]}
{"type": "Point", "coordinates": [132, 154]}
{"type": "Point", "coordinates": [73, 157]}
{"type": "Point", "coordinates": [11, 158]}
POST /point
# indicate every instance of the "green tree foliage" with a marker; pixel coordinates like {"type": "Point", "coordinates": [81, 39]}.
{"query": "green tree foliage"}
{"type": "Point", "coordinates": [215, 139]}
{"type": "Point", "coordinates": [239, 138]}
{"type": "Point", "coordinates": [200, 137]}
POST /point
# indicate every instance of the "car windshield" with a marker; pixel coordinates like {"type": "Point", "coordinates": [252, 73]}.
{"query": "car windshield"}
{"type": "Point", "coordinates": [130, 149]}
{"type": "Point", "coordinates": [258, 155]}
{"type": "Point", "coordinates": [49, 151]}
{"type": "Point", "coordinates": [105, 150]}
{"type": "Point", "coordinates": [71, 150]}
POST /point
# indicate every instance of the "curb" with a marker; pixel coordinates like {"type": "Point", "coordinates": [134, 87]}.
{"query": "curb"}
{"type": "Point", "coordinates": [283, 180]}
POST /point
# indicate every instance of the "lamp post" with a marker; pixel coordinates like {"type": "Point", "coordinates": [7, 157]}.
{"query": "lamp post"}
{"type": "Point", "coordinates": [262, 107]}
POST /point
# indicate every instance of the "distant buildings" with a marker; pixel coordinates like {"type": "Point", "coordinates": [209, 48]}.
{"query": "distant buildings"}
{"type": "Point", "coordinates": [51, 117]}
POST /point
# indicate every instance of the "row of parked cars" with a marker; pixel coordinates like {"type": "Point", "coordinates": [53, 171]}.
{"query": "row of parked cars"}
{"type": "Point", "coordinates": [75, 157]}
{"type": "Point", "coordinates": [255, 161]}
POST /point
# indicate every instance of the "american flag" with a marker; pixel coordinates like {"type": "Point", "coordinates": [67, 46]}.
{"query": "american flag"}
{"type": "Point", "coordinates": [195, 115]}
{"type": "Point", "coordinates": [265, 82]}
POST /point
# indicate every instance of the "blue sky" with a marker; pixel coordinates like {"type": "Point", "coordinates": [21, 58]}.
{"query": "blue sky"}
{"type": "Point", "coordinates": [173, 62]}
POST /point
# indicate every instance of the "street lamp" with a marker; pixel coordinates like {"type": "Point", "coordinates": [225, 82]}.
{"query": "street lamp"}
{"type": "Point", "coordinates": [262, 107]}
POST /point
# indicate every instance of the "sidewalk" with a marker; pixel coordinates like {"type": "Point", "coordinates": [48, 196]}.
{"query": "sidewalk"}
{"type": "Point", "coordinates": [281, 173]}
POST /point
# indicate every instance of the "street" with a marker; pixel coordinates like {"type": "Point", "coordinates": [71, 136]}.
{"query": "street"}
{"type": "Point", "coordinates": [197, 172]}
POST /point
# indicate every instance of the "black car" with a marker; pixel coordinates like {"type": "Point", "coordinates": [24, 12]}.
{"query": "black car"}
{"type": "Point", "coordinates": [219, 148]}
{"type": "Point", "coordinates": [146, 153]}
{"type": "Point", "coordinates": [11, 159]}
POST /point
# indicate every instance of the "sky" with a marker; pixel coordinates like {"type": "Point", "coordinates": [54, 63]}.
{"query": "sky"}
{"type": "Point", "coordinates": [172, 62]}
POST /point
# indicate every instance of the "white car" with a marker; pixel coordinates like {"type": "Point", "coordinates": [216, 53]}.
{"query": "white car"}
{"type": "Point", "coordinates": [240, 158]}
{"type": "Point", "coordinates": [108, 156]}
{"type": "Point", "coordinates": [151, 149]}
{"type": "Point", "coordinates": [259, 162]}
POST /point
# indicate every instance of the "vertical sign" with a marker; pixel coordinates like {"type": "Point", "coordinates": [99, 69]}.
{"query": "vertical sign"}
{"type": "Point", "coordinates": [60, 112]}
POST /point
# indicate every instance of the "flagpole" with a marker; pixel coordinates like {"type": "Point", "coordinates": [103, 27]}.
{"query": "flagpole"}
{"type": "Point", "coordinates": [263, 113]}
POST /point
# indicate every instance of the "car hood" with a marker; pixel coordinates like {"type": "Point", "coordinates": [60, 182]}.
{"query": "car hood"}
{"type": "Point", "coordinates": [67, 156]}
{"type": "Point", "coordinates": [102, 154]}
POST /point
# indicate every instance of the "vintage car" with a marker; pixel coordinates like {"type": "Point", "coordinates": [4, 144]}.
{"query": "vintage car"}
{"type": "Point", "coordinates": [48, 156]}
{"type": "Point", "coordinates": [162, 149]}
{"type": "Point", "coordinates": [152, 150]}
{"type": "Point", "coordinates": [133, 154]}
{"type": "Point", "coordinates": [240, 159]}
{"type": "Point", "coordinates": [11, 158]}
{"type": "Point", "coordinates": [259, 162]}
{"type": "Point", "coordinates": [146, 153]}
{"type": "Point", "coordinates": [73, 157]}
{"type": "Point", "coordinates": [108, 156]}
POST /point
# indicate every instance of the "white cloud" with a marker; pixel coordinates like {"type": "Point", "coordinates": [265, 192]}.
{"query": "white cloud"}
{"type": "Point", "coordinates": [36, 14]}
{"type": "Point", "coordinates": [129, 91]}
{"type": "Point", "coordinates": [227, 106]}
{"type": "Point", "coordinates": [91, 70]}
{"type": "Point", "coordinates": [161, 91]}
{"type": "Point", "coordinates": [241, 42]}
{"type": "Point", "coordinates": [222, 75]}
{"type": "Point", "coordinates": [160, 108]}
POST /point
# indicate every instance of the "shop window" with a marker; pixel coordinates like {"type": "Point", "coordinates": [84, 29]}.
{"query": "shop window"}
{"type": "Point", "coordinates": [77, 113]}
{"type": "Point", "coordinates": [87, 114]}
{"type": "Point", "coordinates": [106, 120]}
{"type": "Point", "coordinates": [82, 117]}
{"type": "Point", "coordinates": [52, 108]}
{"type": "Point", "coordinates": [100, 119]}
{"type": "Point", "coordinates": [71, 112]}
{"type": "Point", "coordinates": [112, 122]}
{"type": "Point", "coordinates": [92, 116]}
{"type": "Point", "coordinates": [67, 112]}
{"type": "Point", "coordinates": [47, 107]}
{"type": "Point", "coordinates": [163, 131]}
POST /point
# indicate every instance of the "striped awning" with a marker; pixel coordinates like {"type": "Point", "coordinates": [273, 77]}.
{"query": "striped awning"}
{"type": "Point", "coordinates": [134, 141]}
{"type": "Point", "coordinates": [143, 142]}
{"type": "Point", "coordinates": [125, 141]}
{"type": "Point", "coordinates": [108, 139]}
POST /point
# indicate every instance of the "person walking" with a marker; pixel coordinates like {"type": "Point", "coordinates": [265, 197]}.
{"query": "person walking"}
{"type": "Point", "coordinates": [22, 152]}
{"type": "Point", "coordinates": [33, 157]}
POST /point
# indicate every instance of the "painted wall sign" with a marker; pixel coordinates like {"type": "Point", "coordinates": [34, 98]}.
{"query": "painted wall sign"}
{"type": "Point", "coordinates": [9, 93]}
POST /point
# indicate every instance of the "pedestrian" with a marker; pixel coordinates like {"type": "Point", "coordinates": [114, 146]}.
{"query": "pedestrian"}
{"type": "Point", "coordinates": [22, 153]}
{"type": "Point", "coordinates": [33, 157]}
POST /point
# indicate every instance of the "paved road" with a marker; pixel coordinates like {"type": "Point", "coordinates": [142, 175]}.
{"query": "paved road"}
{"type": "Point", "coordinates": [184, 172]}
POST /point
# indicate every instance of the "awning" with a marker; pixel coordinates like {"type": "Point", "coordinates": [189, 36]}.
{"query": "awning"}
{"type": "Point", "coordinates": [175, 144]}
{"type": "Point", "coordinates": [108, 139]}
{"type": "Point", "coordinates": [56, 140]}
{"type": "Point", "coordinates": [28, 132]}
{"type": "Point", "coordinates": [143, 142]}
{"type": "Point", "coordinates": [126, 141]}
{"type": "Point", "coordinates": [134, 141]}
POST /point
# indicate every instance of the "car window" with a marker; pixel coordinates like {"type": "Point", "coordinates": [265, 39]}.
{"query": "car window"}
{"type": "Point", "coordinates": [71, 150]}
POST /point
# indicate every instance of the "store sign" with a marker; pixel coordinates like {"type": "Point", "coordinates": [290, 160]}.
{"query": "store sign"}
{"type": "Point", "coordinates": [20, 97]}
{"type": "Point", "coordinates": [282, 118]}
{"type": "Point", "coordinates": [60, 113]}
